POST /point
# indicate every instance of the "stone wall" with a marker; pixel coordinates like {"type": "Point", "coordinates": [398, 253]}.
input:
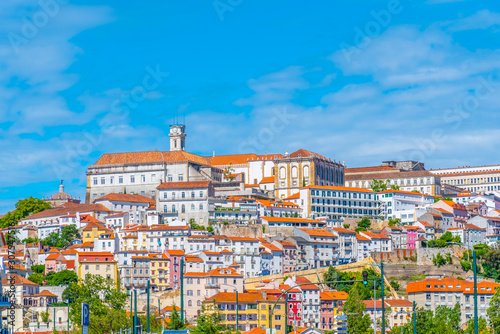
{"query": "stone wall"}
{"type": "Point", "coordinates": [233, 230]}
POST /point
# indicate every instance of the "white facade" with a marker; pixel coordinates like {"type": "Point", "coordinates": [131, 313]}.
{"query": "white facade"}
{"type": "Point", "coordinates": [247, 255]}
{"type": "Point", "coordinates": [338, 203]}
{"type": "Point", "coordinates": [184, 201]}
{"type": "Point", "coordinates": [397, 203]}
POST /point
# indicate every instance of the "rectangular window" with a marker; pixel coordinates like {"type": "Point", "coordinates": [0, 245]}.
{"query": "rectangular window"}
{"type": "Point", "coordinates": [120, 179]}
{"type": "Point", "coordinates": [170, 178]}
{"type": "Point", "coordinates": [103, 180]}
{"type": "Point", "coordinates": [132, 179]}
{"type": "Point", "coordinates": [153, 178]}
{"type": "Point", "coordinates": [111, 180]}
{"type": "Point", "coordinates": [95, 180]}
{"type": "Point", "coordinates": [143, 178]}
{"type": "Point", "coordinates": [181, 177]}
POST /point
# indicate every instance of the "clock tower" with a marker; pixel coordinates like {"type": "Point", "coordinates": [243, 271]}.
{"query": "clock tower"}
{"type": "Point", "coordinates": [177, 137]}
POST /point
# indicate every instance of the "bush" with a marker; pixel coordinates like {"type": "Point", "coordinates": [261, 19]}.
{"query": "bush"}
{"type": "Point", "coordinates": [439, 260]}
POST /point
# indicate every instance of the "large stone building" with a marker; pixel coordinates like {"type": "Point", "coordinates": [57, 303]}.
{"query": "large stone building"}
{"type": "Point", "coordinates": [304, 168]}
{"type": "Point", "coordinates": [142, 172]}
{"type": "Point", "coordinates": [422, 181]}
{"type": "Point", "coordinates": [480, 179]}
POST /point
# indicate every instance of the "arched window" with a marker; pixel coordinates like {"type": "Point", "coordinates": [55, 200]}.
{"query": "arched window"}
{"type": "Point", "coordinates": [190, 303]}
{"type": "Point", "coordinates": [192, 207]}
{"type": "Point", "coordinates": [165, 209]}
{"type": "Point", "coordinates": [198, 303]}
{"type": "Point", "coordinates": [294, 172]}
{"type": "Point", "coordinates": [173, 208]}
{"type": "Point", "coordinates": [282, 173]}
{"type": "Point", "coordinates": [201, 207]}
{"type": "Point", "coordinates": [306, 171]}
{"type": "Point", "coordinates": [183, 208]}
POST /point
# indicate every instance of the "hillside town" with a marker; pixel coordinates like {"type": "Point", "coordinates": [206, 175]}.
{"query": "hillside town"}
{"type": "Point", "coordinates": [263, 240]}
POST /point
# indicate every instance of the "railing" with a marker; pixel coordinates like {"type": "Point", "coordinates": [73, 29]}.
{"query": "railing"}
{"type": "Point", "coordinates": [212, 286]}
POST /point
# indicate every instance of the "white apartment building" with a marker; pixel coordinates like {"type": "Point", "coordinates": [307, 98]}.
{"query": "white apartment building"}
{"type": "Point", "coordinates": [135, 205]}
{"type": "Point", "coordinates": [431, 293]}
{"type": "Point", "coordinates": [405, 205]}
{"type": "Point", "coordinates": [315, 248]}
{"type": "Point", "coordinates": [338, 203]}
{"type": "Point", "coordinates": [378, 242]}
{"type": "Point", "coordinates": [347, 244]}
{"type": "Point", "coordinates": [184, 201]}
{"type": "Point", "coordinates": [247, 255]}
{"type": "Point", "coordinates": [470, 235]}
{"type": "Point", "coordinates": [199, 286]}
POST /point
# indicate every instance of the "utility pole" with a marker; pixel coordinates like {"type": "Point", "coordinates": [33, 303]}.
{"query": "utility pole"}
{"type": "Point", "coordinates": [476, 328]}
{"type": "Point", "coordinates": [135, 311]}
{"type": "Point", "coordinates": [414, 318]}
{"type": "Point", "coordinates": [383, 302]}
{"type": "Point", "coordinates": [286, 314]}
{"type": "Point", "coordinates": [182, 289]}
{"type": "Point", "coordinates": [147, 289]}
{"type": "Point", "coordinates": [237, 314]}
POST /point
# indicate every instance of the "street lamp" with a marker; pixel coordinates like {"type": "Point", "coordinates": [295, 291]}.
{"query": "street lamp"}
{"type": "Point", "coordinates": [67, 300]}
{"type": "Point", "coordinates": [182, 282]}
{"type": "Point", "coordinates": [237, 306]}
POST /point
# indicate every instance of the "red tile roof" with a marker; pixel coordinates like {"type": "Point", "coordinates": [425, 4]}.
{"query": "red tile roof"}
{"type": "Point", "coordinates": [194, 184]}
{"type": "Point", "coordinates": [364, 190]}
{"type": "Point", "coordinates": [268, 179]}
{"type": "Point", "coordinates": [64, 210]}
{"type": "Point", "coordinates": [130, 198]}
{"type": "Point", "coordinates": [133, 158]}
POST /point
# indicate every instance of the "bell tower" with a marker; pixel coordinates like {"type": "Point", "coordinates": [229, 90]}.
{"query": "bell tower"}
{"type": "Point", "coordinates": [177, 137]}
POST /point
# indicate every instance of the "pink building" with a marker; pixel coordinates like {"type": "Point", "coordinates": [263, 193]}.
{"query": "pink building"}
{"type": "Point", "coordinates": [411, 236]}
{"type": "Point", "coordinates": [174, 256]}
{"type": "Point", "coordinates": [332, 303]}
{"type": "Point", "coordinates": [55, 263]}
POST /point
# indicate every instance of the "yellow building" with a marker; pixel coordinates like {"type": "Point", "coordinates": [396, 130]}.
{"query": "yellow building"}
{"type": "Point", "coordinates": [97, 263]}
{"type": "Point", "coordinates": [254, 310]}
{"type": "Point", "coordinates": [94, 230]}
{"type": "Point", "coordinates": [159, 272]}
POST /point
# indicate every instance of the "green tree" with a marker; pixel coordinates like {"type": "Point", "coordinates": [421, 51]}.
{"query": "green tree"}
{"type": "Point", "coordinates": [365, 223]}
{"type": "Point", "coordinates": [394, 222]}
{"type": "Point", "coordinates": [357, 321]}
{"type": "Point", "coordinates": [491, 264]}
{"type": "Point", "coordinates": [11, 237]}
{"type": "Point", "coordinates": [228, 172]}
{"type": "Point", "coordinates": [482, 326]}
{"type": "Point", "coordinates": [30, 240]}
{"type": "Point", "coordinates": [175, 320]}
{"type": "Point", "coordinates": [37, 278]}
{"type": "Point", "coordinates": [207, 323]}
{"type": "Point", "coordinates": [64, 277]}
{"type": "Point", "coordinates": [439, 260]}
{"type": "Point", "coordinates": [45, 316]}
{"type": "Point", "coordinates": [38, 268]}
{"type": "Point", "coordinates": [63, 239]}
{"type": "Point", "coordinates": [23, 209]}
{"type": "Point", "coordinates": [493, 312]}
{"type": "Point", "coordinates": [106, 302]}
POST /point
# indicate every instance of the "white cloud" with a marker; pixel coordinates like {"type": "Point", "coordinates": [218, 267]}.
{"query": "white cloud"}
{"type": "Point", "coordinates": [483, 19]}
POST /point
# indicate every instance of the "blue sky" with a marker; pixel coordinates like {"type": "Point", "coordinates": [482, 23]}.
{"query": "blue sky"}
{"type": "Point", "coordinates": [357, 81]}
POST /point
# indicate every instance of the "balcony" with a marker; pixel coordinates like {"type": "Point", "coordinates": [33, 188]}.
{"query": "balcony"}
{"type": "Point", "coordinates": [4, 302]}
{"type": "Point", "coordinates": [212, 286]}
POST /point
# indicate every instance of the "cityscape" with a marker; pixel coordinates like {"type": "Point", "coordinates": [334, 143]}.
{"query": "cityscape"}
{"type": "Point", "coordinates": [312, 169]}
